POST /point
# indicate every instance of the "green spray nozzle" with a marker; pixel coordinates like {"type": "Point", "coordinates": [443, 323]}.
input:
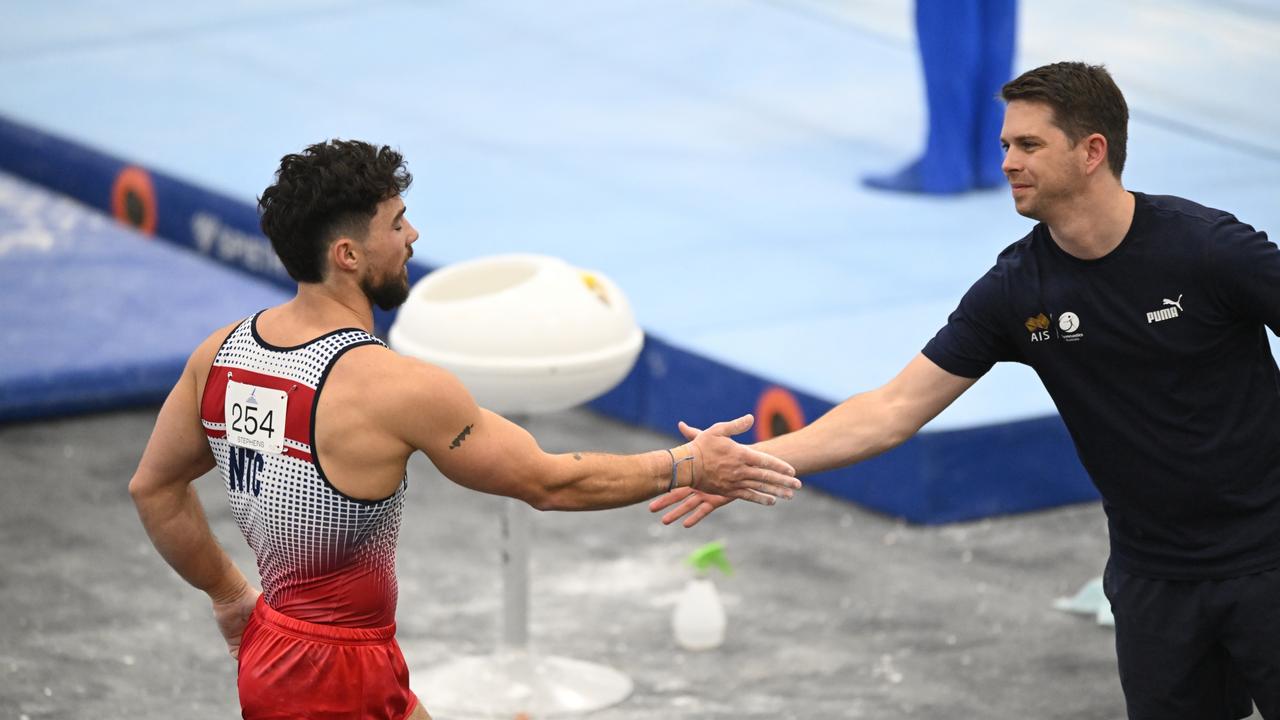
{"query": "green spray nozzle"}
{"type": "Point", "coordinates": [708, 556]}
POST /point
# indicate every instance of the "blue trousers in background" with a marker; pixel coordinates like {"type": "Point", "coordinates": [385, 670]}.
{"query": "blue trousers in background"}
{"type": "Point", "coordinates": [966, 49]}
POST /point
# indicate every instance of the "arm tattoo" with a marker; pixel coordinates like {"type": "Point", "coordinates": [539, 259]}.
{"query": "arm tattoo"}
{"type": "Point", "coordinates": [461, 436]}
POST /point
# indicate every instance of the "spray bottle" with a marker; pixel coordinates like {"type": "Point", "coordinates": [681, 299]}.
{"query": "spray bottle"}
{"type": "Point", "coordinates": [699, 619]}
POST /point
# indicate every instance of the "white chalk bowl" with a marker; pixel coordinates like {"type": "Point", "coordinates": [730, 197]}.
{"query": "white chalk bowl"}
{"type": "Point", "coordinates": [525, 333]}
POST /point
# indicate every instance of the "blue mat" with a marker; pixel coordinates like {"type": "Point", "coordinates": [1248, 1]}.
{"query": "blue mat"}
{"type": "Point", "coordinates": [96, 315]}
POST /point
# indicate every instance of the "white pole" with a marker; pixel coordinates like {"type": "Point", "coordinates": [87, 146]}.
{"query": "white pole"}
{"type": "Point", "coordinates": [515, 576]}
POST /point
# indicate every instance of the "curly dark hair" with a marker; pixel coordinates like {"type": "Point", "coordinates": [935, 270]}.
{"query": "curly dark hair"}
{"type": "Point", "coordinates": [331, 189]}
{"type": "Point", "coordinates": [1084, 99]}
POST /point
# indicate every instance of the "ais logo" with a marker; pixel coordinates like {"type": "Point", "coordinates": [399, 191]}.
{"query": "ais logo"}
{"type": "Point", "coordinates": [1038, 326]}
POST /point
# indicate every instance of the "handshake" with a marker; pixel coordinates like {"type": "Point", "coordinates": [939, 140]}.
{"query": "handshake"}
{"type": "Point", "coordinates": [721, 470]}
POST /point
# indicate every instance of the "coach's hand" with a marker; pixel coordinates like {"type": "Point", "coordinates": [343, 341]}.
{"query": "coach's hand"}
{"type": "Point", "coordinates": [693, 504]}
{"type": "Point", "coordinates": [232, 615]}
{"type": "Point", "coordinates": [725, 468]}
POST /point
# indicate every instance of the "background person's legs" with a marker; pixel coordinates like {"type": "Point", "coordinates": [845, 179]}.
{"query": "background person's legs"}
{"type": "Point", "coordinates": [966, 52]}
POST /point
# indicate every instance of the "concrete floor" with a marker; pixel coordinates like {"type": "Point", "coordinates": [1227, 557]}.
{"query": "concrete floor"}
{"type": "Point", "coordinates": [834, 612]}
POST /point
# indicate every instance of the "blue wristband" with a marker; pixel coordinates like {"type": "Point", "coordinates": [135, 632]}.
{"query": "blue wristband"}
{"type": "Point", "coordinates": [675, 468]}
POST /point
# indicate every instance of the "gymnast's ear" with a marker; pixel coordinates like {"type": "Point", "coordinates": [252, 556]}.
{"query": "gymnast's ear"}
{"type": "Point", "coordinates": [345, 254]}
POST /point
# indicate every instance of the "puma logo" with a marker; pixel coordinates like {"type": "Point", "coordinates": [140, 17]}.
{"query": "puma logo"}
{"type": "Point", "coordinates": [1170, 310]}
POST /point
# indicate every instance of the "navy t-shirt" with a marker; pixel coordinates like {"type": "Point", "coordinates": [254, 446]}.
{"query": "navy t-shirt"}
{"type": "Point", "coordinates": [1157, 359]}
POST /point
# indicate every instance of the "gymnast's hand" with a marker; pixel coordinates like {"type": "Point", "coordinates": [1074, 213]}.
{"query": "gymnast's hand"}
{"type": "Point", "coordinates": [725, 468]}
{"type": "Point", "coordinates": [232, 615]}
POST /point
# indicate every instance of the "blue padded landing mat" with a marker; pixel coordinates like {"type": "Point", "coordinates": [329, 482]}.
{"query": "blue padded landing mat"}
{"type": "Point", "coordinates": [95, 315]}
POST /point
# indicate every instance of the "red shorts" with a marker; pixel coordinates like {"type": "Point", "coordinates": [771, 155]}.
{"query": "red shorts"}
{"type": "Point", "coordinates": [295, 669]}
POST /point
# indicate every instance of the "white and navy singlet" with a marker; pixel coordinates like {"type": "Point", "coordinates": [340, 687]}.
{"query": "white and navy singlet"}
{"type": "Point", "coordinates": [323, 557]}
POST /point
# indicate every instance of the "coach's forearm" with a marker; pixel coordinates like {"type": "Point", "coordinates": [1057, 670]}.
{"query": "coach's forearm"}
{"type": "Point", "coordinates": [859, 428]}
{"type": "Point", "coordinates": [176, 523]}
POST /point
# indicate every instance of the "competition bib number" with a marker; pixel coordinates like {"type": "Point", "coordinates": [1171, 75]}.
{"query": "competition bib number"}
{"type": "Point", "coordinates": [255, 417]}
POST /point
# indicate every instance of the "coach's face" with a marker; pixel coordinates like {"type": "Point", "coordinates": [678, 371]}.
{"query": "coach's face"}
{"type": "Point", "coordinates": [1044, 169]}
{"type": "Point", "coordinates": [388, 247]}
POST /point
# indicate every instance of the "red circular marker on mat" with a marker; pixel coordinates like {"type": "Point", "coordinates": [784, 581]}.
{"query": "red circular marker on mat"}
{"type": "Point", "coordinates": [133, 199]}
{"type": "Point", "coordinates": [777, 413]}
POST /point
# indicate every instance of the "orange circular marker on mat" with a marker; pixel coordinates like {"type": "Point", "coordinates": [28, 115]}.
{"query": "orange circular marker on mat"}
{"type": "Point", "coordinates": [777, 413]}
{"type": "Point", "coordinates": [133, 199]}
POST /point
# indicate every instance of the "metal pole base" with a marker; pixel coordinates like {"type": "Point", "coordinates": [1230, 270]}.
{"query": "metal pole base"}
{"type": "Point", "coordinates": [518, 685]}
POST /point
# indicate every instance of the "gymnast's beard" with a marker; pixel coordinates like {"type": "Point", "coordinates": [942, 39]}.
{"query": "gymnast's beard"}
{"type": "Point", "coordinates": [388, 294]}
